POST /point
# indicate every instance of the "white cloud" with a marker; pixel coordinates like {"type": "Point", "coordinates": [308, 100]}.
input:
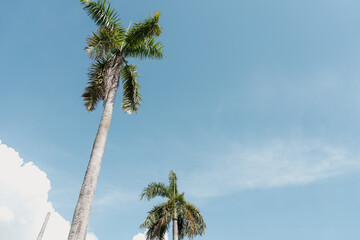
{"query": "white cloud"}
{"type": "Point", "coordinates": [24, 201]}
{"type": "Point", "coordinates": [6, 215]}
{"type": "Point", "coordinates": [279, 163]}
{"type": "Point", "coordinates": [141, 236]}
{"type": "Point", "coordinates": [91, 236]}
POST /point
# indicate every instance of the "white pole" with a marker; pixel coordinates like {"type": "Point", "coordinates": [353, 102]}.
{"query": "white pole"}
{"type": "Point", "coordinates": [44, 226]}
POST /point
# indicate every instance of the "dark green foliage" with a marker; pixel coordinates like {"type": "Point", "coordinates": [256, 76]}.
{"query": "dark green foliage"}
{"type": "Point", "coordinates": [145, 29]}
{"type": "Point", "coordinates": [103, 42]}
{"type": "Point", "coordinates": [157, 223]}
{"type": "Point", "coordinates": [94, 91]}
{"type": "Point", "coordinates": [147, 49]}
{"type": "Point", "coordinates": [131, 95]}
{"type": "Point", "coordinates": [102, 13]}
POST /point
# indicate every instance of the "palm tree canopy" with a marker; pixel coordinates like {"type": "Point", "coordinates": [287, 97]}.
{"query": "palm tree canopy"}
{"type": "Point", "coordinates": [111, 43]}
{"type": "Point", "coordinates": [189, 220]}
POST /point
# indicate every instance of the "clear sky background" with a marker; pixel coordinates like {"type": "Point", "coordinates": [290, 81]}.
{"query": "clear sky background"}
{"type": "Point", "coordinates": [256, 107]}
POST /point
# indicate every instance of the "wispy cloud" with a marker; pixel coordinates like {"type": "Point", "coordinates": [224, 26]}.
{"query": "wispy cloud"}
{"type": "Point", "coordinates": [114, 195]}
{"type": "Point", "coordinates": [275, 164]}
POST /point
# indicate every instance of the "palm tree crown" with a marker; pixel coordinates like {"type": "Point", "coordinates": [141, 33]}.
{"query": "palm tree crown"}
{"type": "Point", "coordinates": [110, 46]}
{"type": "Point", "coordinates": [186, 217]}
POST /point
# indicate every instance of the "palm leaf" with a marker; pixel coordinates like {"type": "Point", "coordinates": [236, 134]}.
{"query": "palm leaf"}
{"type": "Point", "coordinates": [157, 222]}
{"type": "Point", "coordinates": [172, 188]}
{"type": "Point", "coordinates": [102, 13]}
{"type": "Point", "coordinates": [154, 190]}
{"type": "Point", "coordinates": [103, 42]}
{"type": "Point", "coordinates": [94, 91]}
{"type": "Point", "coordinates": [131, 95]}
{"type": "Point", "coordinates": [143, 30]}
{"type": "Point", "coordinates": [195, 224]}
{"type": "Point", "coordinates": [148, 48]}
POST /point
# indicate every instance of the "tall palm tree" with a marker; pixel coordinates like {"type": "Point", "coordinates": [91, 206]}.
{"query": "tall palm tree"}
{"type": "Point", "coordinates": [186, 217]}
{"type": "Point", "coordinates": [109, 47]}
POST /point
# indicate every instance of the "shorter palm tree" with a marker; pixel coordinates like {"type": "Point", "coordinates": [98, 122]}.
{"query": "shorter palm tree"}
{"type": "Point", "coordinates": [186, 217]}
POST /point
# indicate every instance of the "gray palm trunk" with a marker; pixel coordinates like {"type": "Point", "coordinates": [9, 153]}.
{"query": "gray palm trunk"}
{"type": "Point", "coordinates": [175, 230]}
{"type": "Point", "coordinates": [82, 212]}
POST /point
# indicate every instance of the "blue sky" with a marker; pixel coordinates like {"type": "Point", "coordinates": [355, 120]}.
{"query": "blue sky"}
{"type": "Point", "coordinates": [256, 107]}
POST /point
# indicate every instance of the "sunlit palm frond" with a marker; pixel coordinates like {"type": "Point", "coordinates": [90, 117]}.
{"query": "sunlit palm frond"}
{"type": "Point", "coordinates": [149, 48]}
{"type": "Point", "coordinates": [131, 95]}
{"type": "Point", "coordinates": [190, 222]}
{"type": "Point", "coordinates": [94, 91]}
{"type": "Point", "coordinates": [194, 222]}
{"type": "Point", "coordinates": [102, 13]}
{"type": "Point", "coordinates": [143, 30]}
{"type": "Point", "coordinates": [154, 190]}
{"type": "Point", "coordinates": [103, 42]}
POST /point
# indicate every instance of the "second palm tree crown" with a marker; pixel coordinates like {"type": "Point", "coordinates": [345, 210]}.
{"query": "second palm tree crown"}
{"type": "Point", "coordinates": [186, 217]}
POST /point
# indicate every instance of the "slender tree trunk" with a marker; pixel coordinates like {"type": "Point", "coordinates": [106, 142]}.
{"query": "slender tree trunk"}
{"type": "Point", "coordinates": [43, 226]}
{"type": "Point", "coordinates": [82, 212]}
{"type": "Point", "coordinates": [175, 230]}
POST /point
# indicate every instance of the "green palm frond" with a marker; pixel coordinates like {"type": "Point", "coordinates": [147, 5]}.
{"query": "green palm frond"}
{"type": "Point", "coordinates": [157, 222]}
{"type": "Point", "coordinates": [154, 190]}
{"type": "Point", "coordinates": [131, 95]}
{"type": "Point", "coordinates": [94, 91]}
{"type": "Point", "coordinates": [101, 13]}
{"type": "Point", "coordinates": [172, 189]}
{"type": "Point", "coordinates": [143, 30]}
{"type": "Point", "coordinates": [179, 199]}
{"type": "Point", "coordinates": [103, 42]}
{"type": "Point", "coordinates": [190, 221]}
{"type": "Point", "coordinates": [172, 176]}
{"type": "Point", "coordinates": [149, 48]}
{"type": "Point", "coordinates": [153, 216]}
{"type": "Point", "coordinates": [157, 231]}
{"type": "Point", "coordinates": [195, 224]}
